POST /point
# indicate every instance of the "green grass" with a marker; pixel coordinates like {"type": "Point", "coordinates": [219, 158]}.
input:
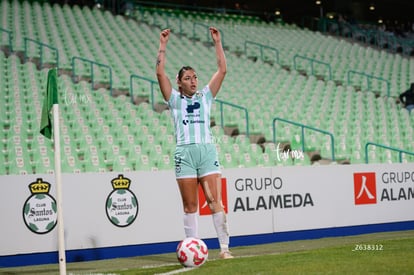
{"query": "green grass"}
{"type": "Point", "coordinates": [322, 256]}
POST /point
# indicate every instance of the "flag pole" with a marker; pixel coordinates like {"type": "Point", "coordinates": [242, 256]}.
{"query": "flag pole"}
{"type": "Point", "coordinates": [58, 176]}
{"type": "Point", "coordinates": [51, 105]}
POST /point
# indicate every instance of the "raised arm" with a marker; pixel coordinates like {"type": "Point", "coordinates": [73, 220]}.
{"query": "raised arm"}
{"type": "Point", "coordinates": [163, 80]}
{"type": "Point", "coordinates": [218, 77]}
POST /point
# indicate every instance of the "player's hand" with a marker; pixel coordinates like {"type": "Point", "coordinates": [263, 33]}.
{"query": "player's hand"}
{"type": "Point", "coordinates": [165, 34]}
{"type": "Point", "coordinates": [215, 34]}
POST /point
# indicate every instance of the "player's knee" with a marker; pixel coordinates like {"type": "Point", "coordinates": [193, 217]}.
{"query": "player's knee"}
{"type": "Point", "coordinates": [211, 206]}
{"type": "Point", "coordinates": [212, 198]}
{"type": "Point", "coordinates": [215, 207]}
{"type": "Point", "coordinates": [190, 207]}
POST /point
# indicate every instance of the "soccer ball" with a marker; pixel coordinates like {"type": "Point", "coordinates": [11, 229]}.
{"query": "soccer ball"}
{"type": "Point", "coordinates": [192, 252]}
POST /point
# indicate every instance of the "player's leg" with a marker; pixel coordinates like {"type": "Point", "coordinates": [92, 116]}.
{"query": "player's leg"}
{"type": "Point", "coordinates": [211, 185]}
{"type": "Point", "coordinates": [210, 180]}
{"type": "Point", "coordinates": [186, 175]}
{"type": "Point", "coordinates": [210, 177]}
{"type": "Point", "coordinates": [189, 194]}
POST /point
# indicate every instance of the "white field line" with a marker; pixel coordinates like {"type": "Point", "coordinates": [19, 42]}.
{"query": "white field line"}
{"type": "Point", "coordinates": [177, 271]}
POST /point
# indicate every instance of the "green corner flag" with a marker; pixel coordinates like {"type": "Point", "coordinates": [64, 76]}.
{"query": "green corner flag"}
{"type": "Point", "coordinates": [50, 99]}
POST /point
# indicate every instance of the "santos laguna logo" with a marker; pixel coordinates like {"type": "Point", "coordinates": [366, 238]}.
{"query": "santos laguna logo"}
{"type": "Point", "coordinates": [40, 209]}
{"type": "Point", "coordinates": [388, 186]}
{"type": "Point", "coordinates": [121, 204]}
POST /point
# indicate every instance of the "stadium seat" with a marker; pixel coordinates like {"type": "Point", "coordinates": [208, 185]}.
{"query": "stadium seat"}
{"type": "Point", "coordinates": [144, 163]}
{"type": "Point", "coordinates": [267, 91]}
{"type": "Point", "coordinates": [227, 160]}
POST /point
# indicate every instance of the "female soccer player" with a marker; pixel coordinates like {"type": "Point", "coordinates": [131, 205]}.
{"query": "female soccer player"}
{"type": "Point", "coordinates": [196, 158]}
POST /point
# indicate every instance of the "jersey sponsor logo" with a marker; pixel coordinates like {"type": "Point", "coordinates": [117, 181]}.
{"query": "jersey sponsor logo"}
{"type": "Point", "coordinates": [191, 107]}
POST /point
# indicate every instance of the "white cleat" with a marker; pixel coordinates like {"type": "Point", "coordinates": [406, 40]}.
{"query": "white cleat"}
{"type": "Point", "coordinates": [226, 255]}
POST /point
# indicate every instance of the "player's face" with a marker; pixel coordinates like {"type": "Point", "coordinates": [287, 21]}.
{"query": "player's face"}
{"type": "Point", "coordinates": [188, 82]}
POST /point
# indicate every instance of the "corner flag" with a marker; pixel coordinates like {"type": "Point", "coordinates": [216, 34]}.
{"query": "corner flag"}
{"type": "Point", "coordinates": [50, 110]}
{"type": "Point", "coordinates": [50, 99]}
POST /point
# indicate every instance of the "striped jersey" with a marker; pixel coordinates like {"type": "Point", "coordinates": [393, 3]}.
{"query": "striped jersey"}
{"type": "Point", "coordinates": [191, 116]}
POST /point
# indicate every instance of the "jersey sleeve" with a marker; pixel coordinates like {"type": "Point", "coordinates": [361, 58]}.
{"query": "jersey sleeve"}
{"type": "Point", "coordinates": [173, 98]}
{"type": "Point", "coordinates": [207, 93]}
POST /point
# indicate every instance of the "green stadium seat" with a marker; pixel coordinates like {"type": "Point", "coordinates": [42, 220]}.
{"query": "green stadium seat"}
{"type": "Point", "coordinates": [144, 163]}
{"type": "Point", "coordinates": [265, 160]}
{"type": "Point", "coordinates": [247, 160]}
{"type": "Point", "coordinates": [106, 123]}
{"type": "Point", "coordinates": [165, 162]}
{"type": "Point", "coordinates": [227, 160]}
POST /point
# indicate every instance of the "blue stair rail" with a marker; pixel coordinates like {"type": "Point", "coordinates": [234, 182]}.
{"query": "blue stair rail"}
{"type": "Point", "coordinates": [400, 151]}
{"type": "Point", "coordinates": [368, 78]}
{"type": "Point", "coordinates": [246, 113]}
{"type": "Point", "coordinates": [145, 79]}
{"type": "Point", "coordinates": [303, 127]}
{"type": "Point", "coordinates": [9, 34]}
{"type": "Point", "coordinates": [311, 62]}
{"type": "Point", "coordinates": [92, 64]}
{"type": "Point", "coordinates": [262, 49]}
{"type": "Point", "coordinates": [207, 29]}
{"type": "Point", "coordinates": [41, 46]}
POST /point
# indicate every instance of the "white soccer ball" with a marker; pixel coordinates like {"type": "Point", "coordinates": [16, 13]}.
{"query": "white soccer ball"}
{"type": "Point", "coordinates": [192, 252]}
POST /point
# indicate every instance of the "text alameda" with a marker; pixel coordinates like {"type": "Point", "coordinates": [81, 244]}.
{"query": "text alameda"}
{"type": "Point", "coordinates": [272, 201]}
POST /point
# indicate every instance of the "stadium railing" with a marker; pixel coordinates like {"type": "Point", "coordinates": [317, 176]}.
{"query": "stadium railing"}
{"type": "Point", "coordinates": [9, 40]}
{"type": "Point", "coordinates": [41, 46]}
{"type": "Point", "coordinates": [369, 78]}
{"type": "Point", "coordinates": [262, 49]}
{"type": "Point", "coordinates": [232, 105]}
{"type": "Point", "coordinates": [401, 152]}
{"type": "Point", "coordinates": [311, 63]}
{"type": "Point", "coordinates": [92, 64]}
{"type": "Point", "coordinates": [148, 81]}
{"type": "Point", "coordinates": [207, 31]}
{"type": "Point", "coordinates": [303, 127]}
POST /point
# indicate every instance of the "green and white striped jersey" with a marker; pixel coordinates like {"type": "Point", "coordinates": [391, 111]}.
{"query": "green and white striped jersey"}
{"type": "Point", "coordinates": [192, 116]}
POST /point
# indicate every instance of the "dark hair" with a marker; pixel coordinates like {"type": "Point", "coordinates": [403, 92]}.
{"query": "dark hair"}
{"type": "Point", "coordinates": [182, 70]}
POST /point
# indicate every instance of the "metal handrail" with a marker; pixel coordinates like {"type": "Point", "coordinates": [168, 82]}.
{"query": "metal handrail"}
{"type": "Point", "coordinates": [368, 76]}
{"type": "Point", "coordinates": [9, 33]}
{"type": "Point", "coordinates": [312, 61]}
{"type": "Point", "coordinates": [131, 88]}
{"type": "Point", "coordinates": [41, 47]}
{"type": "Point", "coordinates": [246, 113]}
{"type": "Point", "coordinates": [92, 64]}
{"type": "Point", "coordinates": [207, 27]}
{"type": "Point", "coordinates": [400, 151]}
{"type": "Point", "coordinates": [262, 48]}
{"type": "Point", "coordinates": [303, 133]}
